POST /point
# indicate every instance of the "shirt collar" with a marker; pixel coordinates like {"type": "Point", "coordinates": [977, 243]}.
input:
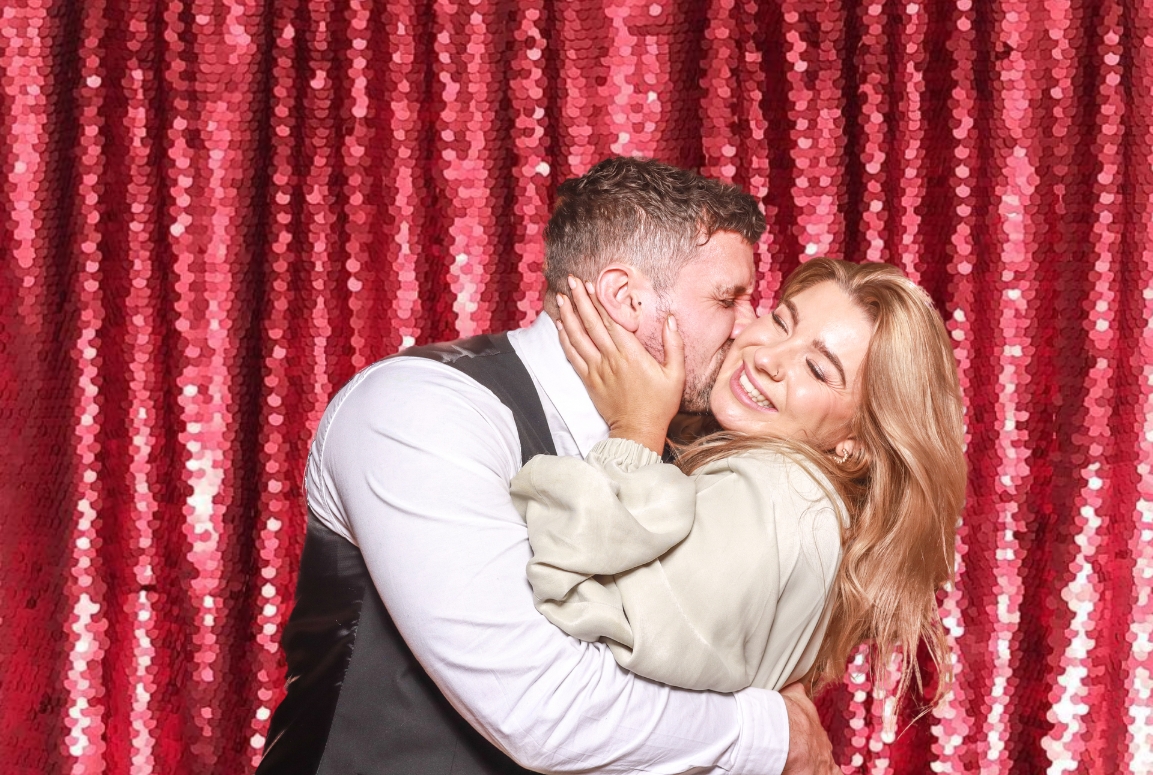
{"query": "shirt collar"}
{"type": "Point", "coordinates": [539, 349]}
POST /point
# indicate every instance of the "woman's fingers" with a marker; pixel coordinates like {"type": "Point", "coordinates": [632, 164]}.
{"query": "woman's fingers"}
{"type": "Point", "coordinates": [591, 316]}
{"type": "Point", "coordinates": [614, 342]}
{"type": "Point", "coordinates": [628, 386]}
{"type": "Point", "coordinates": [574, 357]}
{"type": "Point", "coordinates": [574, 332]}
{"type": "Point", "coordinates": [625, 342]}
{"type": "Point", "coordinates": [621, 337]}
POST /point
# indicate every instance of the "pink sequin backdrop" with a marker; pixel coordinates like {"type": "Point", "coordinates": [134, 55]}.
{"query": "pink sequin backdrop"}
{"type": "Point", "coordinates": [215, 212]}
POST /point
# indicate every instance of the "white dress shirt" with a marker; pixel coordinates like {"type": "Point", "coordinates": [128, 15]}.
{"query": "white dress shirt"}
{"type": "Point", "coordinates": [412, 463]}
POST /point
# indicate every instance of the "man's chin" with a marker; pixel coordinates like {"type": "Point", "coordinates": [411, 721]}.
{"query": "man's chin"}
{"type": "Point", "coordinates": [698, 392]}
{"type": "Point", "coordinates": [696, 401]}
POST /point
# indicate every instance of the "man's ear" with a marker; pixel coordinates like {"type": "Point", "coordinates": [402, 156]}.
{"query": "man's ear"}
{"type": "Point", "coordinates": [624, 292]}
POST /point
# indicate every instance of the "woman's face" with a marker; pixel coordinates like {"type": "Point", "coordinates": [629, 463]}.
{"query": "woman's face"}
{"type": "Point", "coordinates": [795, 373]}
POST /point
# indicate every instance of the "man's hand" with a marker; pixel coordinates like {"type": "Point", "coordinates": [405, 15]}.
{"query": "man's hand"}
{"type": "Point", "coordinates": [810, 752]}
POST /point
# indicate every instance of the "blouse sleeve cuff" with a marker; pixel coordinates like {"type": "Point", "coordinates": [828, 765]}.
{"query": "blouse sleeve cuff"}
{"type": "Point", "coordinates": [622, 454]}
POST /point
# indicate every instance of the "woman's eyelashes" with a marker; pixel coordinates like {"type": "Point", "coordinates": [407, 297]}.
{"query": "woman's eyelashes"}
{"type": "Point", "coordinates": [817, 372]}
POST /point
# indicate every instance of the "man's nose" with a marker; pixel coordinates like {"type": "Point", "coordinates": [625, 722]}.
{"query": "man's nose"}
{"type": "Point", "coordinates": [744, 316]}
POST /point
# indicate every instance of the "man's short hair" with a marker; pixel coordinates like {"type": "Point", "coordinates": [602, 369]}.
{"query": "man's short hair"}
{"type": "Point", "coordinates": [644, 213]}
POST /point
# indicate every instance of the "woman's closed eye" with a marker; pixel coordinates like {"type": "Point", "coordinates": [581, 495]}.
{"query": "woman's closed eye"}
{"type": "Point", "coordinates": [816, 369]}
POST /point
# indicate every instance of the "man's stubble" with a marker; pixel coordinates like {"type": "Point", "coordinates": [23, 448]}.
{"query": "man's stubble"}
{"type": "Point", "coordinates": [699, 384]}
{"type": "Point", "coordinates": [698, 381]}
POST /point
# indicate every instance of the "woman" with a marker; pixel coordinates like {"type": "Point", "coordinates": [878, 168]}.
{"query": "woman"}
{"type": "Point", "coordinates": [821, 517]}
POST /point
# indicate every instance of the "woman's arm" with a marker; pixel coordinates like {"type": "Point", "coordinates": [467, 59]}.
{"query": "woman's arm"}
{"type": "Point", "coordinates": [714, 581]}
{"type": "Point", "coordinates": [593, 519]}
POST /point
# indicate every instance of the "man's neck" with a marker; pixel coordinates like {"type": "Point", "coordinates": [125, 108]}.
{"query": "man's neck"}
{"type": "Point", "coordinates": [549, 307]}
{"type": "Point", "coordinates": [540, 350]}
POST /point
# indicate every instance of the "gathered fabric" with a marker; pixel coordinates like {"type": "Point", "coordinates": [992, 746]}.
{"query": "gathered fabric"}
{"type": "Point", "coordinates": [715, 580]}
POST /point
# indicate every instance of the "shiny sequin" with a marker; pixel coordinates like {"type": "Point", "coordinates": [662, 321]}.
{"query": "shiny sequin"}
{"type": "Point", "coordinates": [216, 212]}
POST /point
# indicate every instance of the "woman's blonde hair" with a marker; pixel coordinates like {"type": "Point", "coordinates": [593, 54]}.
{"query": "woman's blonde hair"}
{"type": "Point", "coordinates": [902, 488]}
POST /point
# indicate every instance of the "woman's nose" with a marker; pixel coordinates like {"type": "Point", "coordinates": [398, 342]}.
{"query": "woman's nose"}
{"type": "Point", "coordinates": [768, 360]}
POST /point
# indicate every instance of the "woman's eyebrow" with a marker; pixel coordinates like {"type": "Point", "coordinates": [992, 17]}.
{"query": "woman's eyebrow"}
{"type": "Point", "coordinates": [824, 350]}
{"type": "Point", "coordinates": [818, 344]}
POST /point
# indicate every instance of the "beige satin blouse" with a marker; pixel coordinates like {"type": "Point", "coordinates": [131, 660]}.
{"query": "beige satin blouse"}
{"type": "Point", "coordinates": [716, 580]}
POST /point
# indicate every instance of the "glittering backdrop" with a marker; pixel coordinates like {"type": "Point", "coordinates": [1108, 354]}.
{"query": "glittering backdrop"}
{"type": "Point", "coordinates": [215, 212]}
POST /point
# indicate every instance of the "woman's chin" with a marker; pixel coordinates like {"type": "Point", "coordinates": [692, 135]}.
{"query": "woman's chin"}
{"type": "Point", "coordinates": [745, 429]}
{"type": "Point", "coordinates": [732, 419]}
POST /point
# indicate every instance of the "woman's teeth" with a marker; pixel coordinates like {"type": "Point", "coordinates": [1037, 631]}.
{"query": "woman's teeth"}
{"type": "Point", "coordinates": [754, 394]}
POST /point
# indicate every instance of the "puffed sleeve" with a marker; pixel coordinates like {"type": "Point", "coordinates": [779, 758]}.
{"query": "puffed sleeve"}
{"type": "Point", "coordinates": [712, 581]}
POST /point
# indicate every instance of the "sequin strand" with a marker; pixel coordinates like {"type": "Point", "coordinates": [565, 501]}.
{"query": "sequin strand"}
{"type": "Point", "coordinates": [216, 212]}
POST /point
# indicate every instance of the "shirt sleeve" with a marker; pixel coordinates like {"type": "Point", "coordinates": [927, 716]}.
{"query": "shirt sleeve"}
{"type": "Point", "coordinates": [712, 581]}
{"type": "Point", "coordinates": [413, 462]}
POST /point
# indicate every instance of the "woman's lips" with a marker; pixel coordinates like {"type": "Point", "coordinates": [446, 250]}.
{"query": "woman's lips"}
{"type": "Point", "coordinates": [743, 394]}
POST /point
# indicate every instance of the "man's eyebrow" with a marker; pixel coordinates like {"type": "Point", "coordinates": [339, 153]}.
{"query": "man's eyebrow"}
{"type": "Point", "coordinates": [736, 289]}
{"type": "Point", "coordinates": [824, 350]}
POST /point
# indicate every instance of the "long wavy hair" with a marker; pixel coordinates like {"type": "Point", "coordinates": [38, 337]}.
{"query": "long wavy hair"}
{"type": "Point", "coordinates": [902, 488]}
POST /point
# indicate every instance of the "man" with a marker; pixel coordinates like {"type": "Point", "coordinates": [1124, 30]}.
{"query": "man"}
{"type": "Point", "coordinates": [414, 646]}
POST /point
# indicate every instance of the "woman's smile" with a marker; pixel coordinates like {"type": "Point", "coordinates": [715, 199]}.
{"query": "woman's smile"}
{"type": "Point", "coordinates": [748, 392]}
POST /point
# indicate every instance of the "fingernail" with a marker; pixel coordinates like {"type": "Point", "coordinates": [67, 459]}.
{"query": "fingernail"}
{"type": "Point", "coordinates": [672, 323]}
{"type": "Point", "coordinates": [589, 287]}
{"type": "Point", "coordinates": [572, 281]}
{"type": "Point", "coordinates": [559, 300]}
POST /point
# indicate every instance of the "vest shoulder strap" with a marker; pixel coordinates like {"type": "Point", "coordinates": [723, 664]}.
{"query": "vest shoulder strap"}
{"type": "Point", "coordinates": [491, 360]}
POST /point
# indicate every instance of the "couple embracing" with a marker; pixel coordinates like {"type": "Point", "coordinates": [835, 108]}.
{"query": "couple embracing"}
{"type": "Point", "coordinates": [509, 566]}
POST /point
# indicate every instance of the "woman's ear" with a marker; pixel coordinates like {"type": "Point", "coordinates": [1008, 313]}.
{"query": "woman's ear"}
{"type": "Point", "coordinates": [846, 447]}
{"type": "Point", "coordinates": [624, 292]}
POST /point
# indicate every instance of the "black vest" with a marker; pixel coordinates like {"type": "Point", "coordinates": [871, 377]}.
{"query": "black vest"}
{"type": "Point", "coordinates": [358, 702]}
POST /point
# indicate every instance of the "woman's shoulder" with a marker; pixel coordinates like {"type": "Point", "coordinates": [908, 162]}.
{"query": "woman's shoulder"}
{"type": "Point", "coordinates": [778, 471]}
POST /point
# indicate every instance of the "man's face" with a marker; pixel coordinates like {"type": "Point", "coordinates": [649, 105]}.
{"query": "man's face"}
{"type": "Point", "coordinates": [712, 305]}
